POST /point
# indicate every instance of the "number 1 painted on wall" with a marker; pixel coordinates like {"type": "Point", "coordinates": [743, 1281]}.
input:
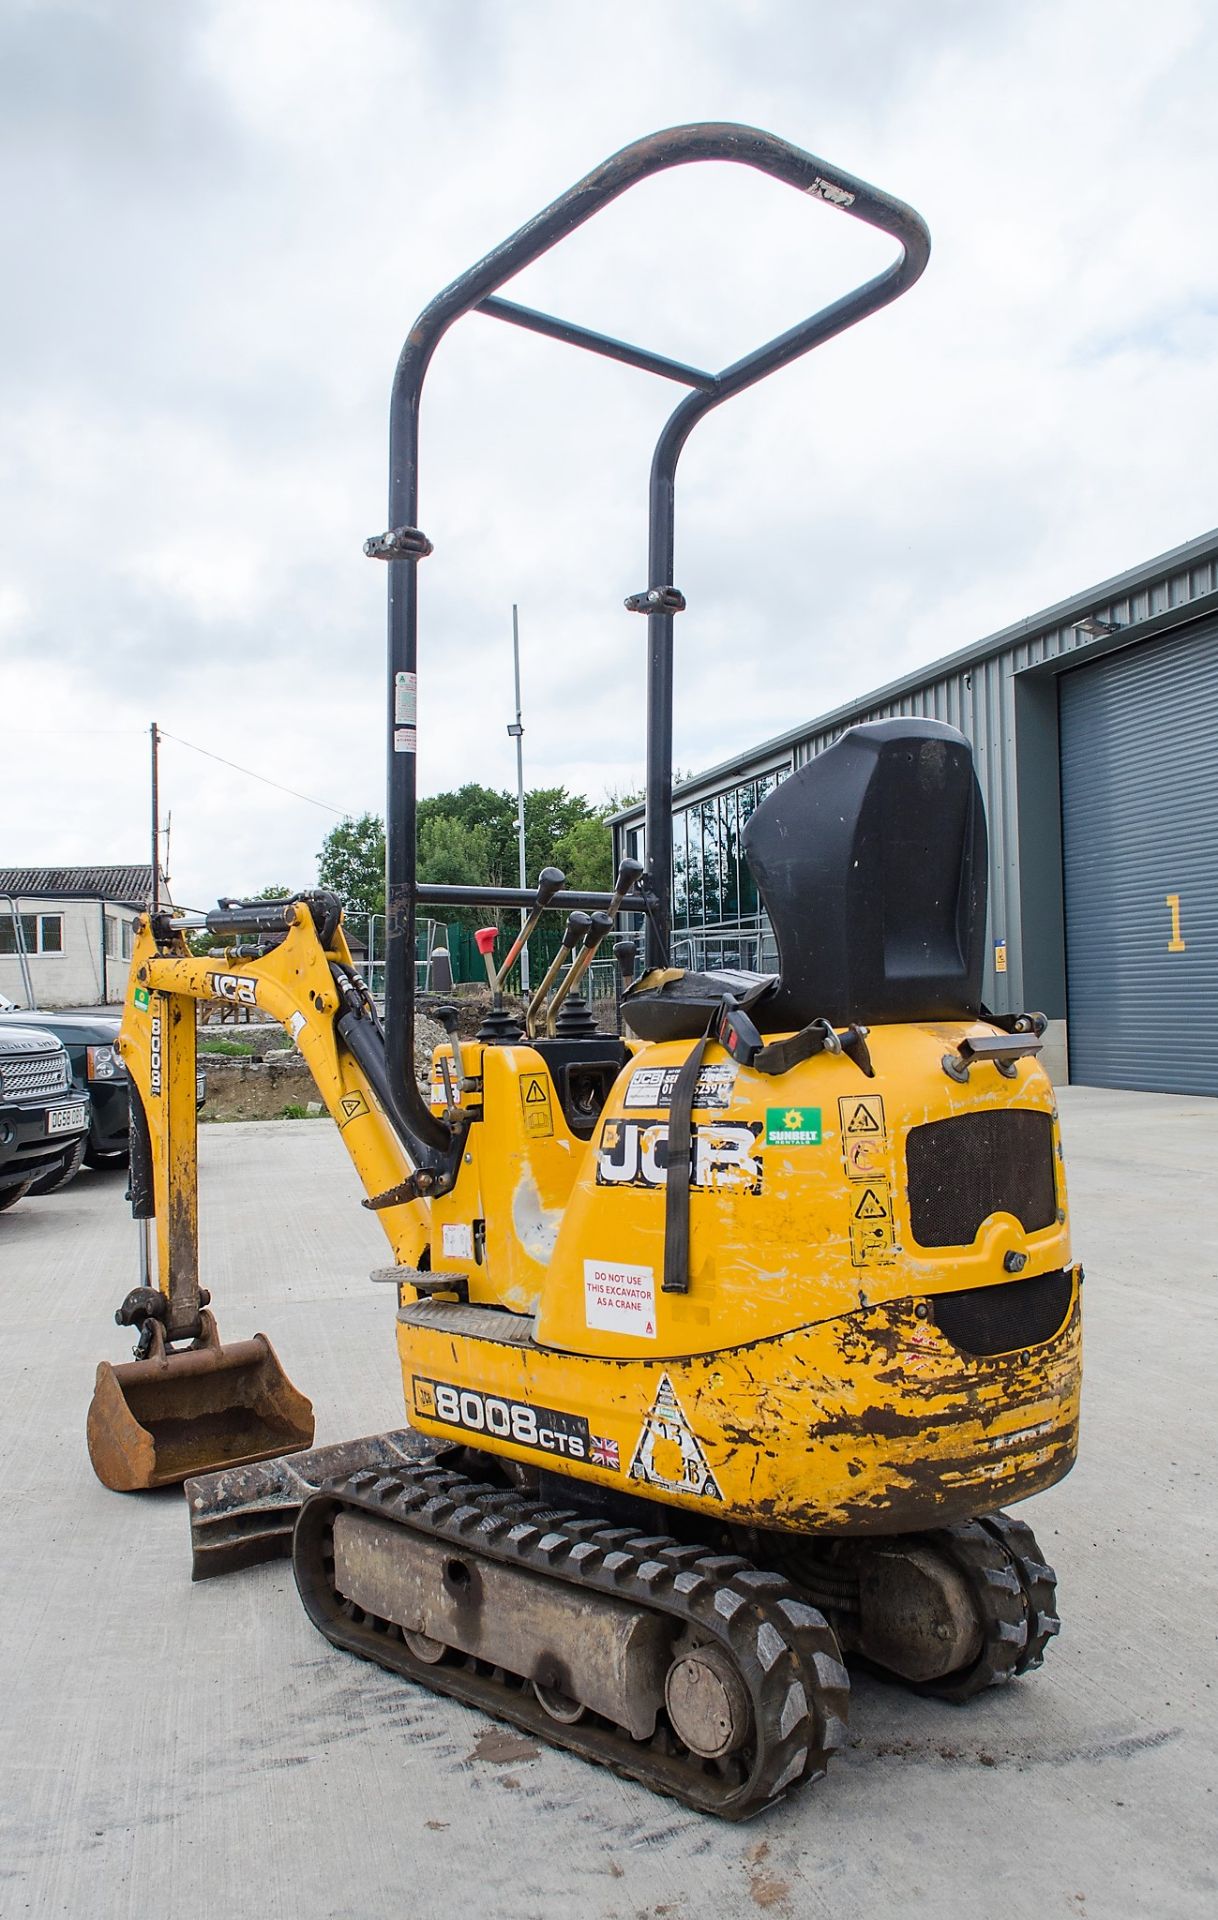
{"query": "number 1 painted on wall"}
{"type": "Point", "coordinates": [1176, 943]}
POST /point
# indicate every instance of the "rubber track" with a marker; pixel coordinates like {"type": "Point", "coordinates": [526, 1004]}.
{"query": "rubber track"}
{"type": "Point", "coordinates": [1039, 1583]}
{"type": "Point", "coordinates": [977, 1550]}
{"type": "Point", "coordinates": [783, 1648]}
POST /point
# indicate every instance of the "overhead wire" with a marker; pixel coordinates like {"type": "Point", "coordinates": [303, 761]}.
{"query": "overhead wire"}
{"type": "Point", "coordinates": [342, 813]}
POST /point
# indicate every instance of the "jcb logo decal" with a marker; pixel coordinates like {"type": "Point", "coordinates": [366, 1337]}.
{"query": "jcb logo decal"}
{"type": "Point", "coordinates": [237, 987]}
{"type": "Point", "coordinates": [634, 1153]}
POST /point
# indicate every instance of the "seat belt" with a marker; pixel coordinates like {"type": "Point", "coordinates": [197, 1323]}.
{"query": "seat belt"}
{"type": "Point", "coordinates": [679, 1171]}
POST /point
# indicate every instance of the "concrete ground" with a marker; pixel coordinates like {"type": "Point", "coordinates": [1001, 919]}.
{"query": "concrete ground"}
{"type": "Point", "coordinates": [181, 1752]}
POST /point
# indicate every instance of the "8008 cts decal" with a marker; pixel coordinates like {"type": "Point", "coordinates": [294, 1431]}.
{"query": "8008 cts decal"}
{"type": "Point", "coordinates": [544, 1429]}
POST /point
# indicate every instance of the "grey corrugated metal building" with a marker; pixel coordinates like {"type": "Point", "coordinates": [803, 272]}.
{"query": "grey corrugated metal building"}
{"type": "Point", "coordinates": [1095, 730]}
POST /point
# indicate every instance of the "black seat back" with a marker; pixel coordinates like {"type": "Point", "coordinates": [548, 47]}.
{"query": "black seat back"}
{"type": "Point", "coordinates": [871, 862]}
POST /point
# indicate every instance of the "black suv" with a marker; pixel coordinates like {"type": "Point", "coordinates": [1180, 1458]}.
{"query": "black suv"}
{"type": "Point", "coordinates": [44, 1123]}
{"type": "Point", "coordinates": [97, 1070]}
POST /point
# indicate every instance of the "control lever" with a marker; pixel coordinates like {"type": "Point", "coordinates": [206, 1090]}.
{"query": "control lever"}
{"type": "Point", "coordinates": [447, 1016]}
{"type": "Point", "coordinates": [600, 924]}
{"type": "Point", "coordinates": [549, 881]}
{"type": "Point", "coordinates": [485, 938]}
{"type": "Point", "coordinates": [626, 952]}
{"type": "Point", "coordinates": [628, 872]}
{"type": "Point", "coordinates": [576, 928]}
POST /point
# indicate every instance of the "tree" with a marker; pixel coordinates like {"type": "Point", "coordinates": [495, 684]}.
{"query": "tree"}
{"type": "Point", "coordinates": [551, 814]}
{"type": "Point", "coordinates": [352, 862]}
{"type": "Point", "coordinates": [452, 854]}
{"type": "Point", "coordinates": [481, 811]}
{"type": "Point", "coordinates": [468, 837]}
{"type": "Point", "coordinates": [585, 854]}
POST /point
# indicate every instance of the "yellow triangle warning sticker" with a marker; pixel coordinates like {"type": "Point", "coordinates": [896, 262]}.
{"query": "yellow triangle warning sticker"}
{"type": "Point", "coordinates": [668, 1454]}
{"type": "Point", "coordinates": [863, 1113]}
{"type": "Point", "coordinates": [353, 1104]}
{"type": "Point", "coordinates": [871, 1206]}
{"type": "Point", "coordinates": [872, 1238]}
{"type": "Point", "coordinates": [535, 1100]}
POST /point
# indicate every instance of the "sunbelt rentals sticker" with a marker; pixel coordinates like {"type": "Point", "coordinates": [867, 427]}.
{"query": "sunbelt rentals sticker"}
{"type": "Point", "coordinates": [793, 1127]}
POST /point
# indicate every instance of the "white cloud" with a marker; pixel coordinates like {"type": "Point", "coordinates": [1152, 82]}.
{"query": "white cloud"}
{"type": "Point", "coordinates": [223, 220]}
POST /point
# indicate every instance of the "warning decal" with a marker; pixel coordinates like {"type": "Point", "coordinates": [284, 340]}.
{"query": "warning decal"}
{"type": "Point", "coordinates": [457, 1240]}
{"type": "Point", "coordinates": [535, 1102]}
{"type": "Point", "coordinates": [620, 1299]}
{"type": "Point", "coordinates": [862, 1116]}
{"type": "Point", "coordinates": [871, 1235]}
{"type": "Point", "coordinates": [668, 1454]}
{"type": "Point", "coordinates": [864, 1158]}
{"type": "Point", "coordinates": [352, 1104]}
{"type": "Point", "coordinates": [864, 1136]}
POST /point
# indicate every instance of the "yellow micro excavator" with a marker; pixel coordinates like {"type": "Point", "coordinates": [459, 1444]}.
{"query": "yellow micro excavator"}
{"type": "Point", "coordinates": [724, 1343]}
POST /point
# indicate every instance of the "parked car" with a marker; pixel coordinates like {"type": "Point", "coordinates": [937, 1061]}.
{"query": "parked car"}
{"type": "Point", "coordinates": [97, 1070]}
{"type": "Point", "coordinates": [44, 1123]}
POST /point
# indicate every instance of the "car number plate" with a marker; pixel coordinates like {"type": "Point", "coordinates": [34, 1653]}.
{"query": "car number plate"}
{"type": "Point", "coordinates": [67, 1119]}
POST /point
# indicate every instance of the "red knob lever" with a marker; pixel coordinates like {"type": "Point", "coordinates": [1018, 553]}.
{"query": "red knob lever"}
{"type": "Point", "coordinates": [486, 938]}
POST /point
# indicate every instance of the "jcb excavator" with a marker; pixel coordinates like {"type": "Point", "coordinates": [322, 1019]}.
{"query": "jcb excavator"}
{"type": "Point", "coordinates": [725, 1343]}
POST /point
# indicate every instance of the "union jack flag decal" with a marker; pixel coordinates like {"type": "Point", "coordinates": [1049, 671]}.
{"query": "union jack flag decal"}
{"type": "Point", "coordinates": [605, 1454]}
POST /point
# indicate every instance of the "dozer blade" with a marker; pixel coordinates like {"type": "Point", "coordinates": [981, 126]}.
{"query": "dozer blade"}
{"type": "Point", "coordinates": [154, 1422]}
{"type": "Point", "coordinates": [245, 1515]}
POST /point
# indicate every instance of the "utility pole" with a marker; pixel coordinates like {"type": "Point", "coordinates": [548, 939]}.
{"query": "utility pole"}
{"type": "Point", "coordinates": [156, 819]}
{"type": "Point", "coordinates": [516, 732]}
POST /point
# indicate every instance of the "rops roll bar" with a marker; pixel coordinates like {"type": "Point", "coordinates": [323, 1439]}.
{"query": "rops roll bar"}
{"type": "Point", "coordinates": [430, 1139]}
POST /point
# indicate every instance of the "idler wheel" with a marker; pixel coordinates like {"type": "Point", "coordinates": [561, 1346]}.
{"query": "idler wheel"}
{"type": "Point", "coordinates": [707, 1702]}
{"type": "Point", "coordinates": [424, 1648]}
{"type": "Point", "coordinates": [559, 1705]}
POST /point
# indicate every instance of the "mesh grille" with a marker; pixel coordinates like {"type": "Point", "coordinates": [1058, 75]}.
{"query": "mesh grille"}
{"type": "Point", "coordinates": [963, 1170]}
{"type": "Point", "coordinates": [38, 1073]}
{"type": "Point", "coordinates": [1001, 1318]}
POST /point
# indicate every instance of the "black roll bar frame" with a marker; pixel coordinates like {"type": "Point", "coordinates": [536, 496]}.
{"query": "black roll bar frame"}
{"type": "Point", "coordinates": [434, 1145]}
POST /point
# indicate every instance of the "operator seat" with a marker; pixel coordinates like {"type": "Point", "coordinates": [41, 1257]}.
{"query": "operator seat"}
{"type": "Point", "coordinates": [871, 864]}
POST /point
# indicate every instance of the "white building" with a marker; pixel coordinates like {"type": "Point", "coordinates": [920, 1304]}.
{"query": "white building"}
{"type": "Point", "coordinates": [66, 932]}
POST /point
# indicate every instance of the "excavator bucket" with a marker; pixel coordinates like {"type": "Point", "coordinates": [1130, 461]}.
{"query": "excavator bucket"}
{"type": "Point", "coordinates": [156, 1421]}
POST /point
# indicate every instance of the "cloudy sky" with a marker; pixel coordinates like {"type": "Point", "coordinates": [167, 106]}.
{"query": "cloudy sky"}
{"type": "Point", "coordinates": [221, 218]}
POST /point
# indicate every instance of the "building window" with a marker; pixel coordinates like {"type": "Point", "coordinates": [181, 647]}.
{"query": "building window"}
{"type": "Point", "coordinates": [40, 933]}
{"type": "Point", "coordinates": [747, 798]}
{"type": "Point", "coordinates": [680, 870]}
{"type": "Point", "coordinates": [111, 937]}
{"type": "Point", "coordinates": [128, 938]}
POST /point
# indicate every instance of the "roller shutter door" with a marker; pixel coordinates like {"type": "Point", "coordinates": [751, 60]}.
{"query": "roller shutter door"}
{"type": "Point", "coordinates": [1139, 766]}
